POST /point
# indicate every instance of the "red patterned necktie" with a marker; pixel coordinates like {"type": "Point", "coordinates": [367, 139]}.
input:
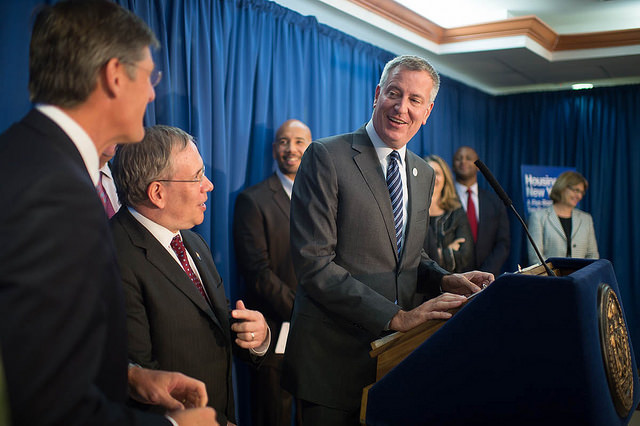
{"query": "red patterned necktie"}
{"type": "Point", "coordinates": [105, 198]}
{"type": "Point", "coordinates": [178, 247]}
{"type": "Point", "coordinates": [471, 215]}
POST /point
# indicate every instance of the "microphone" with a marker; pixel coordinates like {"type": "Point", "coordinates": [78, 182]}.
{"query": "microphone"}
{"type": "Point", "coordinates": [507, 202]}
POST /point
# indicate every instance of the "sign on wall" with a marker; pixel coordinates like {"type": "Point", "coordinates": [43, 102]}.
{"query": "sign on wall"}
{"type": "Point", "coordinates": [537, 182]}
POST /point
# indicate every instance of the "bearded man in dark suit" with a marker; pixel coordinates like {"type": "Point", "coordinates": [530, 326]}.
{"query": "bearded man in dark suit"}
{"type": "Point", "coordinates": [357, 248]}
{"type": "Point", "coordinates": [63, 337]}
{"type": "Point", "coordinates": [261, 236]}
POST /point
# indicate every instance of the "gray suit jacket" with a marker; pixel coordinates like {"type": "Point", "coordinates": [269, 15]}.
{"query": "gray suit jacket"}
{"type": "Point", "coordinates": [169, 323]}
{"type": "Point", "coordinates": [349, 274]}
{"type": "Point", "coordinates": [547, 232]}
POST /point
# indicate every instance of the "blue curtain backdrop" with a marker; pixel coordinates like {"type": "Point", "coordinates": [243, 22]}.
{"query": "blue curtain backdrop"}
{"type": "Point", "coordinates": [234, 70]}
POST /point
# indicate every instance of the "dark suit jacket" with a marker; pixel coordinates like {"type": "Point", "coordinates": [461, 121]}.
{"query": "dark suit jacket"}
{"type": "Point", "coordinates": [261, 236]}
{"type": "Point", "coordinates": [349, 274]}
{"type": "Point", "coordinates": [493, 244]}
{"type": "Point", "coordinates": [170, 325]}
{"type": "Point", "coordinates": [443, 230]}
{"type": "Point", "coordinates": [63, 322]}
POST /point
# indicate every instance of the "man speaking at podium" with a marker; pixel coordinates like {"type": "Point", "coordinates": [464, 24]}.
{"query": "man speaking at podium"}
{"type": "Point", "coordinates": [359, 215]}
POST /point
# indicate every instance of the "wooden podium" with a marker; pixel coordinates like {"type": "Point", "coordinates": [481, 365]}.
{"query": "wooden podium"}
{"type": "Point", "coordinates": [523, 365]}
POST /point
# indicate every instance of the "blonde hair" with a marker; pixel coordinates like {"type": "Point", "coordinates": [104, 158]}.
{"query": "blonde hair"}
{"type": "Point", "coordinates": [448, 197]}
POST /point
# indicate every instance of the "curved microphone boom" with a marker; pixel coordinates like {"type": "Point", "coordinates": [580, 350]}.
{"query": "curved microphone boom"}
{"type": "Point", "coordinates": [507, 202]}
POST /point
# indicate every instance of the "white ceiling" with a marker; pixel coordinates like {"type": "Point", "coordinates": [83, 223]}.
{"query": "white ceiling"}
{"type": "Point", "coordinates": [500, 65]}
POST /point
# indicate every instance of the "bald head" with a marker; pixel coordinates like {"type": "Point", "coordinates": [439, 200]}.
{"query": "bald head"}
{"type": "Point", "coordinates": [291, 141]}
{"type": "Point", "coordinates": [464, 167]}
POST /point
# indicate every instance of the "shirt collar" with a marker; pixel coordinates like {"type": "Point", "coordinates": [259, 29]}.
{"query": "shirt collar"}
{"type": "Point", "coordinates": [462, 189]}
{"type": "Point", "coordinates": [106, 170]}
{"type": "Point", "coordinates": [78, 136]}
{"type": "Point", "coordinates": [382, 149]}
{"type": "Point", "coordinates": [161, 233]}
{"type": "Point", "coordinates": [287, 183]}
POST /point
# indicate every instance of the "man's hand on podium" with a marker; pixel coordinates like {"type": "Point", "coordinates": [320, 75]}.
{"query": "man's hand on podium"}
{"type": "Point", "coordinates": [435, 308]}
{"type": "Point", "coordinates": [466, 283]}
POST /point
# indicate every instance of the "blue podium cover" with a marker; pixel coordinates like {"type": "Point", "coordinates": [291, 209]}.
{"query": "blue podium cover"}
{"type": "Point", "coordinates": [526, 351]}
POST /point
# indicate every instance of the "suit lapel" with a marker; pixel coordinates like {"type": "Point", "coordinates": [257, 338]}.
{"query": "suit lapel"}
{"type": "Point", "coordinates": [367, 161]}
{"type": "Point", "coordinates": [555, 223]}
{"type": "Point", "coordinates": [160, 258]}
{"type": "Point", "coordinates": [210, 278]}
{"type": "Point", "coordinates": [279, 195]}
{"type": "Point", "coordinates": [417, 198]}
{"type": "Point", "coordinates": [576, 223]}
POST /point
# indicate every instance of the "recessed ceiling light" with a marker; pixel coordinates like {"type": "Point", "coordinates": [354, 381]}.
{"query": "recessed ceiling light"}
{"type": "Point", "coordinates": [581, 86]}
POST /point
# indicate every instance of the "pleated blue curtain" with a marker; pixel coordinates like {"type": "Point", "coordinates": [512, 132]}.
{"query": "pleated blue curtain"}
{"type": "Point", "coordinates": [234, 70]}
{"type": "Point", "coordinates": [596, 131]}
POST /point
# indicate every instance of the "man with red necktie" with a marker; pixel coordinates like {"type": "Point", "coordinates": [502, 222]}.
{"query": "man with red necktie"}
{"type": "Point", "coordinates": [486, 213]}
{"type": "Point", "coordinates": [178, 316]}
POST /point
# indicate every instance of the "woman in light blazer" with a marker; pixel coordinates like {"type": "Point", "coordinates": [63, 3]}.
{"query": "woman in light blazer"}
{"type": "Point", "coordinates": [562, 230]}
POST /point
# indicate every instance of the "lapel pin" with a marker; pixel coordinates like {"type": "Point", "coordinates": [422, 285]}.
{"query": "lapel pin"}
{"type": "Point", "coordinates": [415, 171]}
{"type": "Point", "coordinates": [198, 256]}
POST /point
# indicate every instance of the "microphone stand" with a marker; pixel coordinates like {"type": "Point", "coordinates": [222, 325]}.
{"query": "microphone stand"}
{"type": "Point", "coordinates": [507, 202]}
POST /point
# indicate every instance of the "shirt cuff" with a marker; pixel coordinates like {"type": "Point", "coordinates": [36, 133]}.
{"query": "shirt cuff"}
{"type": "Point", "coordinates": [262, 349]}
{"type": "Point", "coordinates": [173, 422]}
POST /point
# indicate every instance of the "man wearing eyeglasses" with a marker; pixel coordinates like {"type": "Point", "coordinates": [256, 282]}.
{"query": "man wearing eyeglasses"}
{"type": "Point", "coordinates": [63, 321]}
{"type": "Point", "coordinates": [177, 312]}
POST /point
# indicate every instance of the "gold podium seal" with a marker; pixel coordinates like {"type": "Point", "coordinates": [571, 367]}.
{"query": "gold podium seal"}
{"type": "Point", "coordinates": [616, 352]}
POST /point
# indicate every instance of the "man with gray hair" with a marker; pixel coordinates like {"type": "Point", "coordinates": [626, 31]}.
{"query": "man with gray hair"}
{"type": "Point", "coordinates": [178, 316]}
{"type": "Point", "coordinates": [91, 76]}
{"type": "Point", "coordinates": [359, 215]}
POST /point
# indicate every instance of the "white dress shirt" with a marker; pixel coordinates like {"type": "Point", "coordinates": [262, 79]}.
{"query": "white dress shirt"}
{"type": "Point", "coordinates": [78, 136]}
{"type": "Point", "coordinates": [287, 183]}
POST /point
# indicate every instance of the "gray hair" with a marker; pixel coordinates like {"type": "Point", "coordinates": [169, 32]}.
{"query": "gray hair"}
{"type": "Point", "coordinates": [136, 165]}
{"type": "Point", "coordinates": [71, 42]}
{"type": "Point", "coordinates": [412, 63]}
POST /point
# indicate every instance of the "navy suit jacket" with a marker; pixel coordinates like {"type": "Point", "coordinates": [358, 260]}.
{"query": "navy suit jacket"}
{"type": "Point", "coordinates": [493, 244]}
{"type": "Point", "coordinates": [63, 323]}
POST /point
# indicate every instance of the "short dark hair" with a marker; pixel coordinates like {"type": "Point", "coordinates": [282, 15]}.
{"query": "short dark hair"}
{"type": "Point", "coordinates": [412, 63]}
{"type": "Point", "coordinates": [136, 165]}
{"type": "Point", "coordinates": [565, 180]}
{"type": "Point", "coordinates": [72, 40]}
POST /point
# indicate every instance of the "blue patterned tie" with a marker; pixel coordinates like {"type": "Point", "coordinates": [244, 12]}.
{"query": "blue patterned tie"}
{"type": "Point", "coordinates": [394, 183]}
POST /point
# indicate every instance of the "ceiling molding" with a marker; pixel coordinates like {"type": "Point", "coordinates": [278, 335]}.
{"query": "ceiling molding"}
{"type": "Point", "coordinates": [529, 26]}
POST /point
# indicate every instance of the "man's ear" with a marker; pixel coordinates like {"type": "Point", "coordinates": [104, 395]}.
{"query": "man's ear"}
{"type": "Point", "coordinates": [157, 194]}
{"type": "Point", "coordinates": [112, 76]}
{"type": "Point", "coordinates": [427, 114]}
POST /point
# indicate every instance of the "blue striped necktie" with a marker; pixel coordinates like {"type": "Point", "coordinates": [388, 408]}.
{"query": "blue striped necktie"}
{"type": "Point", "coordinates": [394, 183]}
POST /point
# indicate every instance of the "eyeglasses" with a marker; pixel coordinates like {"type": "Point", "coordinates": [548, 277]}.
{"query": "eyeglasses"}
{"type": "Point", "coordinates": [576, 190]}
{"type": "Point", "coordinates": [155, 75]}
{"type": "Point", "coordinates": [197, 179]}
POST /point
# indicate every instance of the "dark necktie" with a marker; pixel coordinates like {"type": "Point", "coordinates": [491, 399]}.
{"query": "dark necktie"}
{"type": "Point", "coordinates": [394, 183]}
{"type": "Point", "coordinates": [178, 247]}
{"type": "Point", "coordinates": [471, 215]}
{"type": "Point", "coordinates": [106, 202]}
